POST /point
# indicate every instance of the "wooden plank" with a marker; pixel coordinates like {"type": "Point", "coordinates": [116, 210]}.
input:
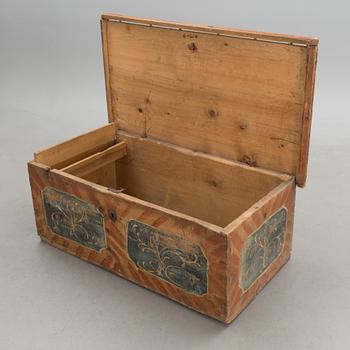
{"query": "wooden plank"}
{"type": "Point", "coordinates": [77, 148]}
{"type": "Point", "coordinates": [242, 231]}
{"type": "Point", "coordinates": [233, 98]}
{"type": "Point", "coordinates": [202, 186]}
{"type": "Point", "coordinates": [97, 160]}
{"type": "Point", "coordinates": [116, 257]}
{"type": "Point", "coordinates": [104, 37]}
{"type": "Point", "coordinates": [307, 116]}
{"type": "Point", "coordinates": [278, 38]}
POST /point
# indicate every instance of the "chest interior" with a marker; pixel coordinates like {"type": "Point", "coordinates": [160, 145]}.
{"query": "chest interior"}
{"type": "Point", "coordinates": [210, 188]}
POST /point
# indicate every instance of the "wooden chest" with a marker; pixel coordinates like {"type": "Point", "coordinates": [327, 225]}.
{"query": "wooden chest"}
{"type": "Point", "coordinates": [189, 189]}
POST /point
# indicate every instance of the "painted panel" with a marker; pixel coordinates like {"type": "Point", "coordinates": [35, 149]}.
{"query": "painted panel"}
{"type": "Point", "coordinates": [262, 248]}
{"type": "Point", "coordinates": [72, 218]}
{"type": "Point", "coordinates": [168, 257]}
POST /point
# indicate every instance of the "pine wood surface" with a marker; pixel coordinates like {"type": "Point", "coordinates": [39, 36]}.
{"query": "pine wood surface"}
{"type": "Point", "coordinates": [239, 33]}
{"type": "Point", "coordinates": [95, 161]}
{"type": "Point", "coordinates": [77, 148]}
{"type": "Point", "coordinates": [196, 184]}
{"type": "Point", "coordinates": [241, 99]}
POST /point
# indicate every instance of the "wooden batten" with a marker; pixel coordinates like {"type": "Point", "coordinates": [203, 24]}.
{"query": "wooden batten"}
{"type": "Point", "coordinates": [89, 164]}
{"type": "Point", "coordinates": [240, 95]}
{"type": "Point", "coordinates": [307, 115]}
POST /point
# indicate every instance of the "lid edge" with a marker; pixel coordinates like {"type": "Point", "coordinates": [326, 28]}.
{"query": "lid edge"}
{"type": "Point", "coordinates": [301, 173]}
{"type": "Point", "coordinates": [249, 34]}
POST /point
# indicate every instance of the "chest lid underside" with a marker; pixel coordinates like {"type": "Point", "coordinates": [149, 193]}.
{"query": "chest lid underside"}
{"type": "Point", "coordinates": [241, 95]}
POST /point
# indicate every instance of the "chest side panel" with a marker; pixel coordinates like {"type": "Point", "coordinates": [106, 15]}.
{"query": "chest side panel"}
{"type": "Point", "coordinates": [259, 245]}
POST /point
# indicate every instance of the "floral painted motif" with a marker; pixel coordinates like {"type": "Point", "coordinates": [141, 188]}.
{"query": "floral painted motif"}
{"type": "Point", "coordinates": [168, 257]}
{"type": "Point", "coordinates": [262, 248]}
{"type": "Point", "coordinates": [74, 219]}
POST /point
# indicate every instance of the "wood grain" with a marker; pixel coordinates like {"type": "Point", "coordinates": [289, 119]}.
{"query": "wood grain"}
{"type": "Point", "coordinates": [222, 95]}
{"type": "Point", "coordinates": [68, 152]}
{"type": "Point", "coordinates": [104, 36]}
{"type": "Point", "coordinates": [97, 160]}
{"type": "Point", "coordinates": [203, 186]}
{"type": "Point", "coordinates": [104, 176]}
{"type": "Point", "coordinates": [239, 33]}
{"type": "Point", "coordinates": [307, 115]}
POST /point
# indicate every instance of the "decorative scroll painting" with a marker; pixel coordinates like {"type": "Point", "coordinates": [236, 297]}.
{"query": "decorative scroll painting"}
{"type": "Point", "coordinates": [167, 256]}
{"type": "Point", "coordinates": [74, 219]}
{"type": "Point", "coordinates": [262, 248]}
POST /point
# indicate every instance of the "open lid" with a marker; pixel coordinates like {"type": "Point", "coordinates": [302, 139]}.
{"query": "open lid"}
{"type": "Point", "coordinates": [241, 95]}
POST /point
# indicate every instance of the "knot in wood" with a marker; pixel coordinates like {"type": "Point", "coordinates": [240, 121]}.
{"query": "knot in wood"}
{"type": "Point", "coordinates": [112, 215]}
{"type": "Point", "coordinates": [248, 160]}
{"type": "Point", "coordinates": [192, 46]}
{"type": "Point", "coordinates": [212, 113]}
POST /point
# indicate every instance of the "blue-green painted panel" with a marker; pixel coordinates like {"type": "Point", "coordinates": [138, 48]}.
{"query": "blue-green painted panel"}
{"type": "Point", "coordinates": [72, 218]}
{"type": "Point", "coordinates": [262, 248]}
{"type": "Point", "coordinates": [167, 256]}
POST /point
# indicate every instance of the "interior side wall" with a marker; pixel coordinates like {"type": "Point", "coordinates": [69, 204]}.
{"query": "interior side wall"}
{"type": "Point", "coordinates": [104, 176]}
{"type": "Point", "coordinates": [188, 182]}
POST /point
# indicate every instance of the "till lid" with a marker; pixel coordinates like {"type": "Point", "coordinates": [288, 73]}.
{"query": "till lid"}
{"type": "Point", "coordinates": [241, 95]}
